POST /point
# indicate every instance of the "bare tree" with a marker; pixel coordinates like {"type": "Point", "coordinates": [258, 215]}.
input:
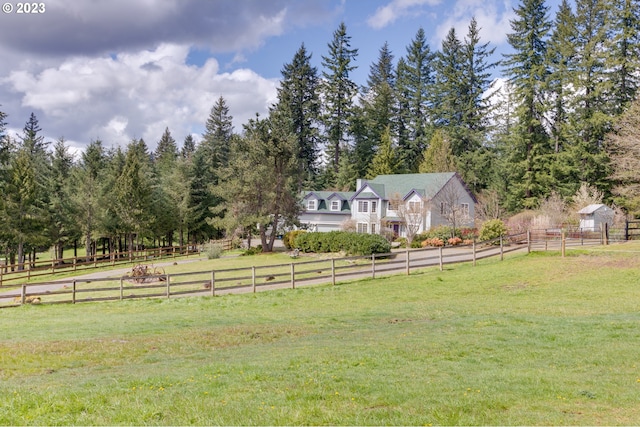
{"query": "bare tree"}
{"type": "Point", "coordinates": [412, 214]}
{"type": "Point", "coordinates": [623, 147]}
{"type": "Point", "coordinates": [452, 206]}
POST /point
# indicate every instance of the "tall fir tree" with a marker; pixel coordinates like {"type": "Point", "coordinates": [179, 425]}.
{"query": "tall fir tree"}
{"type": "Point", "coordinates": [415, 77]}
{"type": "Point", "coordinates": [61, 224]}
{"type": "Point", "coordinates": [592, 109]}
{"type": "Point", "coordinates": [188, 147]}
{"type": "Point", "coordinates": [625, 43]}
{"type": "Point", "coordinates": [378, 106]}
{"type": "Point", "coordinates": [338, 92]}
{"type": "Point", "coordinates": [216, 139]}
{"type": "Point", "coordinates": [298, 97]}
{"type": "Point", "coordinates": [526, 69]}
{"type": "Point", "coordinates": [166, 152]}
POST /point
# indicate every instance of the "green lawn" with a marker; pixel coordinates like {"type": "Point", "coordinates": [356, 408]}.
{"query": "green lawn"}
{"type": "Point", "coordinates": [535, 339]}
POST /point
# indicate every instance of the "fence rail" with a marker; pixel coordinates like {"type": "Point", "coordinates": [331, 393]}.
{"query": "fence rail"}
{"type": "Point", "coordinates": [37, 268]}
{"type": "Point", "coordinates": [291, 275]}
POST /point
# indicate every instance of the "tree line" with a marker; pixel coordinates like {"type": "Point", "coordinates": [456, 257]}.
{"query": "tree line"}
{"type": "Point", "coordinates": [548, 129]}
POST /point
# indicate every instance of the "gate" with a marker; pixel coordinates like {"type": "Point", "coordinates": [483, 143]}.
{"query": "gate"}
{"type": "Point", "coordinates": [632, 230]}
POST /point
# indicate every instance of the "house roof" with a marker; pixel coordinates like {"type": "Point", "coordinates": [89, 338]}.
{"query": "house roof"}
{"type": "Point", "coordinates": [592, 209]}
{"type": "Point", "coordinates": [324, 196]}
{"type": "Point", "coordinates": [425, 184]}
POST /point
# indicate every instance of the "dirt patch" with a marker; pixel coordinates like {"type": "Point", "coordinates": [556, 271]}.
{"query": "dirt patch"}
{"type": "Point", "coordinates": [515, 286]}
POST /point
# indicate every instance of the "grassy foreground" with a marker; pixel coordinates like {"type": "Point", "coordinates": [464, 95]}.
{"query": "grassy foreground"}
{"type": "Point", "coordinates": [535, 339]}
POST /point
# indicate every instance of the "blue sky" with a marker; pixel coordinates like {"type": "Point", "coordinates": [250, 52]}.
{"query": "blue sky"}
{"type": "Point", "coordinates": [120, 69]}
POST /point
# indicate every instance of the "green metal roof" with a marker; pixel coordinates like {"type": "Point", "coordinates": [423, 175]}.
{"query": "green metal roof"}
{"type": "Point", "coordinates": [426, 184]}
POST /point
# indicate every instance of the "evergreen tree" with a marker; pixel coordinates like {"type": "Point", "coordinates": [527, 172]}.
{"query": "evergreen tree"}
{"type": "Point", "coordinates": [166, 152]}
{"type": "Point", "coordinates": [61, 226]}
{"type": "Point", "coordinates": [385, 162]}
{"type": "Point", "coordinates": [260, 182]}
{"type": "Point", "coordinates": [447, 89]}
{"type": "Point", "coordinates": [438, 157]}
{"type": "Point", "coordinates": [87, 187]}
{"type": "Point", "coordinates": [378, 105]}
{"type": "Point", "coordinates": [298, 97]}
{"type": "Point", "coordinates": [415, 77]}
{"type": "Point", "coordinates": [527, 72]}
{"type": "Point", "coordinates": [188, 147]}
{"type": "Point", "coordinates": [215, 141]}
{"type": "Point", "coordinates": [133, 195]}
{"type": "Point", "coordinates": [591, 104]}
{"type": "Point", "coordinates": [625, 45]}
{"type": "Point", "coordinates": [338, 93]}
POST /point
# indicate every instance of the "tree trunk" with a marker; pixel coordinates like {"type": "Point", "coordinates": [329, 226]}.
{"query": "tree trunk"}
{"type": "Point", "coordinates": [20, 256]}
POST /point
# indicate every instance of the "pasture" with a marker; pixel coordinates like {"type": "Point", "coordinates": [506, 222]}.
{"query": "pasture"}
{"type": "Point", "coordinates": [535, 339]}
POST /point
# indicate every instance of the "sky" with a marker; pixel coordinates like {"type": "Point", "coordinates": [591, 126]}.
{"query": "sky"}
{"type": "Point", "coordinates": [115, 70]}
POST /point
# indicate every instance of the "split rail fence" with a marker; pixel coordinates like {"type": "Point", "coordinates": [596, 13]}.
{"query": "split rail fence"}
{"type": "Point", "coordinates": [290, 275]}
{"type": "Point", "coordinates": [36, 268]}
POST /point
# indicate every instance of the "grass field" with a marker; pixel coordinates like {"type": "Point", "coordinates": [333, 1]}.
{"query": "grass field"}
{"type": "Point", "coordinates": [535, 339]}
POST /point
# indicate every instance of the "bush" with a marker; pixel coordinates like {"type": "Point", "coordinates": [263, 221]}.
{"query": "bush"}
{"type": "Point", "coordinates": [253, 251]}
{"type": "Point", "coordinates": [289, 238]}
{"type": "Point", "coordinates": [348, 242]}
{"type": "Point", "coordinates": [434, 241]}
{"type": "Point", "coordinates": [492, 229]}
{"type": "Point", "coordinates": [453, 241]}
{"type": "Point", "coordinates": [212, 250]}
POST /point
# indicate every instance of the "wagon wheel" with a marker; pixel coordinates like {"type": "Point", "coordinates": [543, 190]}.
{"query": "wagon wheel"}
{"type": "Point", "coordinates": [159, 273]}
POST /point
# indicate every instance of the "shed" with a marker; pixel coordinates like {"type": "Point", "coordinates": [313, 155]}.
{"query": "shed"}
{"type": "Point", "coordinates": [593, 217]}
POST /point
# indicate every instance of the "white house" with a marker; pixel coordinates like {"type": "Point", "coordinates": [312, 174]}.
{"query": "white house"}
{"type": "Point", "coordinates": [593, 217]}
{"type": "Point", "coordinates": [400, 203]}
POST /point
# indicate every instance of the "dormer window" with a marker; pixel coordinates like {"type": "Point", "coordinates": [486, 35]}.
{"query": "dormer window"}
{"type": "Point", "coordinates": [335, 205]}
{"type": "Point", "coordinates": [311, 205]}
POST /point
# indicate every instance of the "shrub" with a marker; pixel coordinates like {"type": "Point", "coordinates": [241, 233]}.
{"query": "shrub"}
{"type": "Point", "coordinates": [492, 229]}
{"type": "Point", "coordinates": [289, 238]}
{"type": "Point", "coordinates": [253, 251]}
{"type": "Point", "coordinates": [434, 241]}
{"type": "Point", "coordinates": [453, 241]}
{"type": "Point", "coordinates": [348, 242]}
{"type": "Point", "coordinates": [212, 250]}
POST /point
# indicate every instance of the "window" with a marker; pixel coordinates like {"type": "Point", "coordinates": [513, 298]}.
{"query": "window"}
{"type": "Point", "coordinates": [393, 205]}
{"type": "Point", "coordinates": [373, 228]}
{"type": "Point", "coordinates": [464, 209]}
{"type": "Point", "coordinates": [414, 206]}
{"type": "Point", "coordinates": [443, 208]}
{"type": "Point", "coordinates": [311, 205]}
{"type": "Point", "coordinates": [363, 206]}
{"type": "Point", "coordinates": [335, 205]}
{"type": "Point", "coordinates": [362, 227]}
{"type": "Point", "coordinates": [374, 207]}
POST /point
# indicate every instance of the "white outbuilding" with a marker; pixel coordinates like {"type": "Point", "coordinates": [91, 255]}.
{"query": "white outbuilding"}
{"type": "Point", "coordinates": [594, 217]}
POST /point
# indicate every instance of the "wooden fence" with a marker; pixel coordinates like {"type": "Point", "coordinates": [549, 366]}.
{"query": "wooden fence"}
{"type": "Point", "coordinates": [290, 275]}
{"type": "Point", "coordinates": [36, 268]}
{"type": "Point", "coordinates": [297, 273]}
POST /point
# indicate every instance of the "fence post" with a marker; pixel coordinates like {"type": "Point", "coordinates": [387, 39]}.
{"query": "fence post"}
{"type": "Point", "coordinates": [121, 288]}
{"type": "Point", "coordinates": [408, 262]}
{"type": "Point", "coordinates": [474, 252]}
{"type": "Point", "coordinates": [293, 276]}
{"type": "Point", "coordinates": [441, 260]}
{"type": "Point", "coordinates": [253, 279]}
{"type": "Point", "coordinates": [501, 249]}
{"type": "Point", "coordinates": [333, 271]}
{"type": "Point", "coordinates": [528, 241]}
{"type": "Point", "coordinates": [563, 244]}
{"type": "Point", "coordinates": [213, 283]}
{"type": "Point", "coordinates": [23, 294]}
{"type": "Point", "coordinates": [168, 277]}
{"type": "Point", "coordinates": [373, 266]}
{"type": "Point", "coordinates": [73, 292]}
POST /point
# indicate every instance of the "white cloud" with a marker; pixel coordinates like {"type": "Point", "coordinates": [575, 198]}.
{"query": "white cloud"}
{"type": "Point", "coordinates": [492, 16]}
{"type": "Point", "coordinates": [388, 14]}
{"type": "Point", "coordinates": [137, 94]}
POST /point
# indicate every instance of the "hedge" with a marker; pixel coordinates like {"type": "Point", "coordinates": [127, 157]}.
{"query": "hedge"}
{"type": "Point", "coordinates": [342, 241]}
